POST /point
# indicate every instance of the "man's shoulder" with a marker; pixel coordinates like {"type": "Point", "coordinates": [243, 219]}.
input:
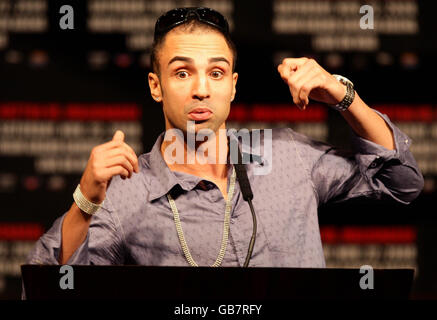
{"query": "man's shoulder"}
{"type": "Point", "coordinates": [298, 139]}
{"type": "Point", "coordinates": [287, 136]}
{"type": "Point", "coordinates": [286, 141]}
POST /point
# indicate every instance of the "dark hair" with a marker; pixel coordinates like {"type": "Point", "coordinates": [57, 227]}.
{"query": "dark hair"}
{"type": "Point", "coordinates": [189, 26]}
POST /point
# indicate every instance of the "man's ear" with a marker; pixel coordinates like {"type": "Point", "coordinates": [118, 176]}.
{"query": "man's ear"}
{"type": "Point", "coordinates": [155, 87]}
{"type": "Point", "coordinates": [234, 85]}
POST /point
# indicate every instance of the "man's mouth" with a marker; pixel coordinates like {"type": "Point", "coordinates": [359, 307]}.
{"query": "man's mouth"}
{"type": "Point", "coordinates": [200, 114]}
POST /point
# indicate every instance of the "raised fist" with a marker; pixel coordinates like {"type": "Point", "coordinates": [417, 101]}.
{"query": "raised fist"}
{"type": "Point", "coordinates": [107, 160]}
{"type": "Point", "coordinates": [306, 80]}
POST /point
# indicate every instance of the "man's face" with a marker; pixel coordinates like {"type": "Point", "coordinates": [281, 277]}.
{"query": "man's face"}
{"type": "Point", "coordinates": [196, 79]}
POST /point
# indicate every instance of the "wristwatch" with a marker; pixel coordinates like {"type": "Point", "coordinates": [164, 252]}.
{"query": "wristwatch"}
{"type": "Point", "coordinates": [350, 94]}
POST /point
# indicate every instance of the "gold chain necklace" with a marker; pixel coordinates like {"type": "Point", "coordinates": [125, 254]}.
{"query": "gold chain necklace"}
{"type": "Point", "coordinates": [177, 221]}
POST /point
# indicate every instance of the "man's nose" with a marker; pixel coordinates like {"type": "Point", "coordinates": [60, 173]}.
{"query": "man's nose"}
{"type": "Point", "coordinates": [201, 88]}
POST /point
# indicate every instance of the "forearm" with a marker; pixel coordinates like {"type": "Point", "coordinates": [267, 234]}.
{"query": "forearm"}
{"type": "Point", "coordinates": [368, 124]}
{"type": "Point", "coordinates": [74, 231]}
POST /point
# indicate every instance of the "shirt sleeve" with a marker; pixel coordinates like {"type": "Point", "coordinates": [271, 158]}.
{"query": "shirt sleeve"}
{"type": "Point", "coordinates": [103, 243]}
{"type": "Point", "coordinates": [368, 170]}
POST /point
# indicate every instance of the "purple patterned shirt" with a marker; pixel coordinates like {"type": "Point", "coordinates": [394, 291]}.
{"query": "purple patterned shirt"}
{"type": "Point", "coordinates": [135, 224]}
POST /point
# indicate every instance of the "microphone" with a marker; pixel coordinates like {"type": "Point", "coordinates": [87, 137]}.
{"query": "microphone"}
{"type": "Point", "coordinates": [243, 180]}
{"type": "Point", "coordinates": [246, 191]}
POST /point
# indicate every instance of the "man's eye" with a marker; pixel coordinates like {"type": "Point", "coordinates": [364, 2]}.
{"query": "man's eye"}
{"type": "Point", "coordinates": [182, 74]}
{"type": "Point", "coordinates": [216, 74]}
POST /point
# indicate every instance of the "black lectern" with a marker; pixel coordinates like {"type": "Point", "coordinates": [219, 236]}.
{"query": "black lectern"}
{"type": "Point", "coordinates": [209, 284]}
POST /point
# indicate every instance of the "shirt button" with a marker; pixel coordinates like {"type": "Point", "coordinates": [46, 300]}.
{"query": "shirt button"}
{"type": "Point", "coordinates": [376, 162]}
{"type": "Point", "coordinates": [406, 141]}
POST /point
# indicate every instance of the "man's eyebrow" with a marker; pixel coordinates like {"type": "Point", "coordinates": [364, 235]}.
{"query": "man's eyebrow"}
{"type": "Point", "coordinates": [218, 59]}
{"type": "Point", "coordinates": [180, 58]}
{"type": "Point", "coordinates": [190, 60]}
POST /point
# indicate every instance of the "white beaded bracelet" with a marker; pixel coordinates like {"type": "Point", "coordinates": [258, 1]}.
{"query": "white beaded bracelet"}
{"type": "Point", "coordinates": [83, 203]}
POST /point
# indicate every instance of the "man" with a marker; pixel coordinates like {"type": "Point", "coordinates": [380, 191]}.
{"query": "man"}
{"type": "Point", "coordinates": [153, 211]}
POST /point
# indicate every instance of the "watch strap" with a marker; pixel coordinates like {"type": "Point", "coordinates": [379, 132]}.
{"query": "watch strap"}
{"type": "Point", "coordinates": [344, 104]}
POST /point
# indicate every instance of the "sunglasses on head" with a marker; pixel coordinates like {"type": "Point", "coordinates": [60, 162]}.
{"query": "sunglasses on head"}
{"type": "Point", "coordinates": [175, 17]}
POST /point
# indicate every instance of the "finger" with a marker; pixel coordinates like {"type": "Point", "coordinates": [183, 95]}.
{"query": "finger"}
{"type": "Point", "coordinates": [290, 65]}
{"type": "Point", "coordinates": [117, 140]}
{"type": "Point", "coordinates": [282, 72]}
{"type": "Point", "coordinates": [291, 74]}
{"type": "Point", "coordinates": [295, 63]}
{"type": "Point", "coordinates": [302, 72]}
{"type": "Point", "coordinates": [304, 86]}
{"type": "Point", "coordinates": [133, 156]}
{"type": "Point", "coordinates": [116, 170]}
{"type": "Point", "coordinates": [294, 94]}
{"type": "Point", "coordinates": [304, 94]}
{"type": "Point", "coordinates": [285, 72]}
{"type": "Point", "coordinates": [113, 148]}
{"type": "Point", "coordinates": [297, 79]}
{"type": "Point", "coordinates": [109, 145]}
{"type": "Point", "coordinates": [118, 136]}
{"type": "Point", "coordinates": [120, 160]}
{"type": "Point", "coordinates": [125, 151]}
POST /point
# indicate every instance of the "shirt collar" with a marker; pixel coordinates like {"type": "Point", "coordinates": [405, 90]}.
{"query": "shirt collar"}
{"type": "Point", "coordinates": [163, 179]}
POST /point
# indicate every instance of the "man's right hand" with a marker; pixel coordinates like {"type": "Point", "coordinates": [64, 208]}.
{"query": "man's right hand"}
{"type": "Point", "coordinates": [107, 160]}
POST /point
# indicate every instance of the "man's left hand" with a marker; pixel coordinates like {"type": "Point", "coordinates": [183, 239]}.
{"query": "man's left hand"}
{"type": "Point", "coordinates": [306, 80]}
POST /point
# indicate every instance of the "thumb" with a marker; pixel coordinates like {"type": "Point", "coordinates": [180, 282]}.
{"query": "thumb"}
{"type": "Point", "coordinates": [118, 136]}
